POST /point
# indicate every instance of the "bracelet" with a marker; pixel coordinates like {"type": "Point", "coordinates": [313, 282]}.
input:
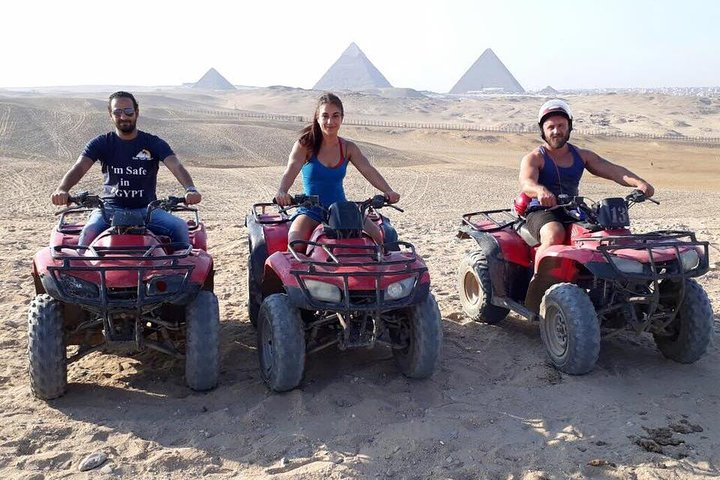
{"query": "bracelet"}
{"type": "Point", "coordinates": [191, 188]}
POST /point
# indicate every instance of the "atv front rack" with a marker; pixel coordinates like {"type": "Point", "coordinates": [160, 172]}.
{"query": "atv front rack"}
{"type": "Point", "coordinates": [674, 240]}
{"type": "Point", "coordinates": [168, 285]}
{"type": "Point", "coordinates": [341, 265]}
{"type": "Point", "coordinates": [258, 209]}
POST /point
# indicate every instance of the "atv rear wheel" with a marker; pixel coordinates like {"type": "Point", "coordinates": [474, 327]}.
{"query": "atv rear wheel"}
{"type": "Point", "coordinates": [281, 343]}
{"type": "Point", "coordinates": [255, 297]}
{"type": "Point", "coordinates": [46, 348]}
{"type": "Point", "coordinates": [569, 328]}
{"type": "Point", "coordinates": [692, 328]}
{"type": "Point", "coordinates": [475, 289]}
{"type": "Point", "coordinates": [202, 348]}
{"type": "Point", "coordinates": [421, 329]}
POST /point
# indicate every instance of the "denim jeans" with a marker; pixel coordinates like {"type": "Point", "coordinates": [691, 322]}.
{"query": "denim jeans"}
{"type": "Point", "coordinates": [161, 223]}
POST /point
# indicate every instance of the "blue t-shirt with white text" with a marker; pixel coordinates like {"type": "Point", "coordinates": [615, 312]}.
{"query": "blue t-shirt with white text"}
{"type": "Point", "coordinates": [129, 167]}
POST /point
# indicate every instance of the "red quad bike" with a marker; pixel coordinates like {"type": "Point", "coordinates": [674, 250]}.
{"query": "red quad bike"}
{"type": "Point", "coordinates": [127, 291]}
{"type": "Point", "coordinates": [602, 277]}
{"type": "Point", "coordinates": [345, 290]}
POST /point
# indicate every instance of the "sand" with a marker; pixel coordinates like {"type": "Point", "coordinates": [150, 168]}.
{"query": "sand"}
{"type": "Point", "coordinates": [494, 409]}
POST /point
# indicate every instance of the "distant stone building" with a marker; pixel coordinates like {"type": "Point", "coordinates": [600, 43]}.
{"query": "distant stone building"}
{"type": "Point", "coordinates": [212, 80]}
{"type": "Point", "coordinates": [352, 71]}
{"type": "Point", "coordinates": [487, 74]}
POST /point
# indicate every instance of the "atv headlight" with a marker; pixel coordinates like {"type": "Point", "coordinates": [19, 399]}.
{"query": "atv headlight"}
{"type": "Point", "coordinates": [400, 289]}
{"type": "Point", "coordinates": [325, 292]}
{"type": "Point", "coordinates": [626, 265]}
{"type": "Point", "coordinates": [77, 287]}
{"type": "Point", "coordinates": [690, 260]}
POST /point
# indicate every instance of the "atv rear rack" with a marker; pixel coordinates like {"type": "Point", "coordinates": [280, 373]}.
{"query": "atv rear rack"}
{"type": "Point", "coordinates": [146, 296]}
{"type": "Point", "coordinates": [495, 219]}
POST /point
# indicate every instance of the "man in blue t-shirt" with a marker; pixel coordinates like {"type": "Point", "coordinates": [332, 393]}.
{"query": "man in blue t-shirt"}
{"type": "Point", "coordinates": [129, 160]}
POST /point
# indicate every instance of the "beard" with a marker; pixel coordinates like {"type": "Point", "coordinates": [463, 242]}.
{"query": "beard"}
{"type": "Point", "coordinates": [559, 141]}
{"type": "Point", "coordinates": [125, 126]}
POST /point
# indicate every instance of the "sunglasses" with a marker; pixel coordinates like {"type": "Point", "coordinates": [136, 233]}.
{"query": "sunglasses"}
{"type": "Point", "coordinates": [129, 111]}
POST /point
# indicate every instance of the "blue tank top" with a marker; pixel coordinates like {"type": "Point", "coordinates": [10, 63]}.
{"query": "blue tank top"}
{"type": "Point", "coordinates": [326, 182]}
{"type": "Point", "coordinates": [561, 180]}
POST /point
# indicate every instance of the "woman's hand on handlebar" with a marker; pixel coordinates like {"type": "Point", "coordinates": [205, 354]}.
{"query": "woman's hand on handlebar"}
{"type": "Point", "coordinates": [283, 199]}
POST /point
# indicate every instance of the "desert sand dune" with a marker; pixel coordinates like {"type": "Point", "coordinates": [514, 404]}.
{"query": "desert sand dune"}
{"type": "Point", "coordinates": [494, 409]}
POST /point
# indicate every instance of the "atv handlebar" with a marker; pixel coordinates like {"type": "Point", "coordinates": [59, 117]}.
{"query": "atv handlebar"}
{"type": "Point", "coordinates": [82, 200]}
{"type": "Point", "coordinates": [638, 196]}
{"type": "Point", "coordinates": [309, 201]}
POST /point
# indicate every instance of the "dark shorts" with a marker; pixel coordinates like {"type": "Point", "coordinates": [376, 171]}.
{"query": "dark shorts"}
{"type": "Point", "coordinates": [534, 221]}
{"type": "Point", "coordinates": [316, 213]}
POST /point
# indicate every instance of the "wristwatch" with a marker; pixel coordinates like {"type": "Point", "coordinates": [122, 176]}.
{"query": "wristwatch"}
{"type": "Point", "coordinates": [191, 188]}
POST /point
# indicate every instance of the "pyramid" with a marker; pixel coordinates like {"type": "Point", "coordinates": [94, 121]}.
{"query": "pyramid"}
{"type": "Point", "coordinates": [212, 80]}
{"type": "Point", "coordinates": [548, 91]}
{"type": "Point", "coordinates": [487, 73]}
{"type": "Point", "coordinates": [352, 71]}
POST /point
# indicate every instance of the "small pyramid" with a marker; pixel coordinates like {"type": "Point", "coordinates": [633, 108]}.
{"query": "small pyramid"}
{"type": "Point", "coordinates": [548, 91]}
{"type": "Point", "coordinates": [352, 71]}
{"type": "Point", "coordinates": [212, 80]}
{"type": "Point", "coordinates": [487, 73]}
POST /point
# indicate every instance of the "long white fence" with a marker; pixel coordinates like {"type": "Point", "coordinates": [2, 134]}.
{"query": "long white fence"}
{"type": "Point", "coordinates": [451, 126]}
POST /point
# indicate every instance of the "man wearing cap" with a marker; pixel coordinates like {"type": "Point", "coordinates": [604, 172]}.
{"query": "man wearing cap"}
{"type": "Point", "coordinates": [556, 167]}
{"type": "Point", "coordinates": [130, 160]}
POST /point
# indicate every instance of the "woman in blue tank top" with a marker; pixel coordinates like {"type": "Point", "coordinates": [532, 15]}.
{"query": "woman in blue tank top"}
{"type": "Point", "coordinates": [322, 157]}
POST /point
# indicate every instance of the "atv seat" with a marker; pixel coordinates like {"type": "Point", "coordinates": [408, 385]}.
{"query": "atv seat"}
{"type": "Point", "coordinates": [522, 230]}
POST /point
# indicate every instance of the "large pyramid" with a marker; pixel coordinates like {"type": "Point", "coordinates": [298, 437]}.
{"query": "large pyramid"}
{"type": "Point", "coordinates": [212, 80]}
{"type": "Point", "coordinates": [352, 71]}
{"type": "Point", "coordinates": [488, 73]}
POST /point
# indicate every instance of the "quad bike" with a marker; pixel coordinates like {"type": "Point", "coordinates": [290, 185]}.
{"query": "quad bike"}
{"type": "Point", "coordinates": [127, 291]}
{"type": "Point", "coordinates": [603, 279]}
{"type": "Point", "coordinates": [337, 288]}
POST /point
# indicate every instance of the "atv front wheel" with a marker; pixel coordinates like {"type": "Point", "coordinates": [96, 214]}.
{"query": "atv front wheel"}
{"type": "Point", "coordinates": [421, 331]}
{"type": "Point", "coordinates": [475, 289]}
{"type": "Point", "coordinates": [692, 328]}
{"type": "Point", "coordinates": [281, 343]}
{"type": "Point", "coordinates": [46, 348]}
{"type": "Point", "coordinates": [202, 348]}
{"type": "Point", "coordinates": [569, 328]}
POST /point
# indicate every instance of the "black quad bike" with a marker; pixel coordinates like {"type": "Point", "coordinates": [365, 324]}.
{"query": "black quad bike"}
{"type": "Point", "coordinates": [127, 291]}
{"type": "Point", "coordinates": [603, 279]}
{"type": "Point", "coordinates": [337, 288]}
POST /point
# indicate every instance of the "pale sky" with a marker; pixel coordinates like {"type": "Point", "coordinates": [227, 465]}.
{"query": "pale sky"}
{"type": "Point", "coordinates": [425, 45]}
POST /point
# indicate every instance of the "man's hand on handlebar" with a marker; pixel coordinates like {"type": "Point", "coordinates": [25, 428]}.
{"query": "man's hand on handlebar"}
{"type": "Point", "coordinates": [192, 197]}
{"type": "Point", "coordinates": [546, 197]}
{"type": "Point", "coordinates": [392, 197]}
{"type": "Point", "coordinates": [60, 198]}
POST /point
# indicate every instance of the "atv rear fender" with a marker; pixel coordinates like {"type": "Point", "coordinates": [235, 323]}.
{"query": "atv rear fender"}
{"type": "Point", "coordinates": [508, 261]}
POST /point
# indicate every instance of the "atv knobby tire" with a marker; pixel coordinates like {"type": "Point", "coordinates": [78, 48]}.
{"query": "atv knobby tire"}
{"type": "Point", "coordinates": [281, 343]}
{"type": "Point", "coordinates": [255, 297]}
{"type": "Point", "coordinates": [569, 328]}
{"type": "Point", "coordinates": [46, 348]}
{"type": "Point", "coordinates": [693, 327]}
{"type": "Point", "coordinates": [202, 348]}
{"type": "Point", "coordinates": [475, 289]}
{"type": "Point", "coordinates": [422, 330]}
